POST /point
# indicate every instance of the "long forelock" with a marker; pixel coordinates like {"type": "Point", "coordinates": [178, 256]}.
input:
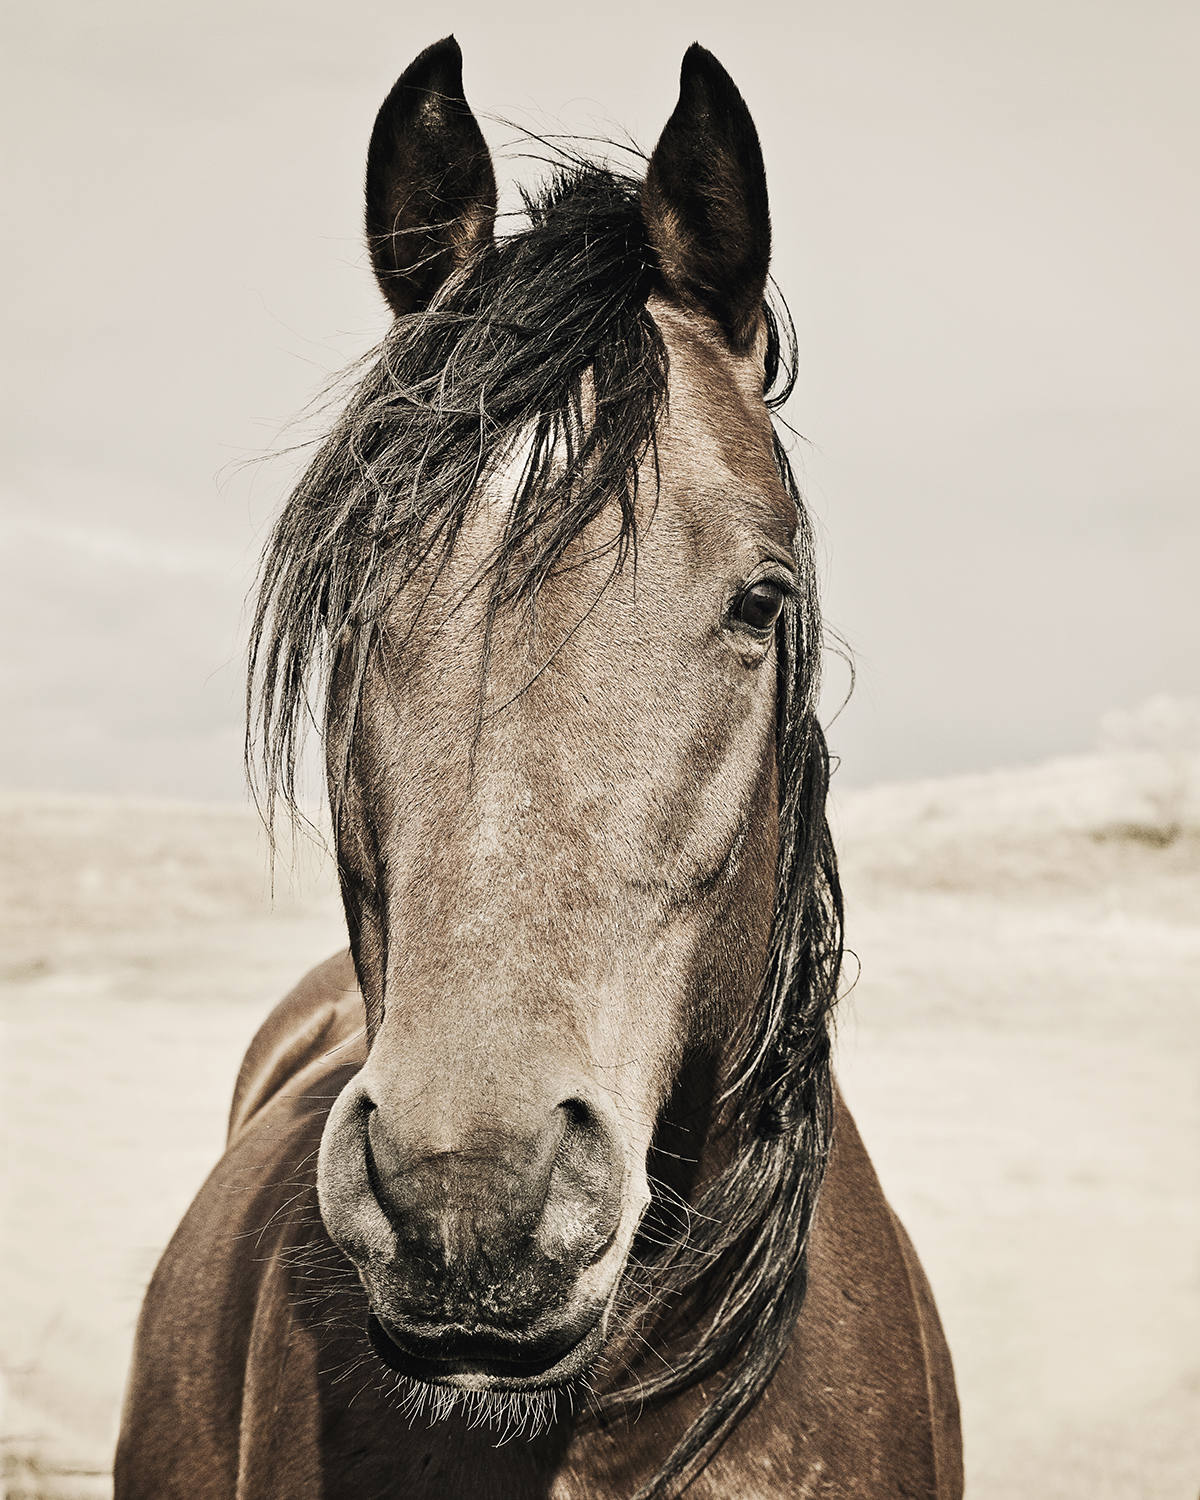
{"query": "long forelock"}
{"type": "Point", "coordinates": [544, 337]}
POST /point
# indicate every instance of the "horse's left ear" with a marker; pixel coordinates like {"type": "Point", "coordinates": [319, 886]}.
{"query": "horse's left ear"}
{"type": "Point", "coordinates": [431, 190]}
{"type": "Point", "coordinates": [705, 201]}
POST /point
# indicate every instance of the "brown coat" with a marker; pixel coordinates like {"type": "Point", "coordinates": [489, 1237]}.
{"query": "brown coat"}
{"type": "Point", "coordinates": [252, 1379]}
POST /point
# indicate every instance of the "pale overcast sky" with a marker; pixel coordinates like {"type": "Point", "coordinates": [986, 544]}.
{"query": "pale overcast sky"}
{"type": "Point", "coordinates": [986, 222]}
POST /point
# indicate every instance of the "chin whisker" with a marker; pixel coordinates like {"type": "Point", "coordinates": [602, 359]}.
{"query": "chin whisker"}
{"type": "Point", "coordinates": [511, 1415]}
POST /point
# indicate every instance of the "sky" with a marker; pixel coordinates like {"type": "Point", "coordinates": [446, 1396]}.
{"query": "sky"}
{"type": "Point", "coordinates": [986, 223]}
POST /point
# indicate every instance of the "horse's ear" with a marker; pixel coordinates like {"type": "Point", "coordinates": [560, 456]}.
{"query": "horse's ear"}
{"type": "Point", "coordinates": [705, 201]}
{"type": "Point", "coordinates": [431, 191]}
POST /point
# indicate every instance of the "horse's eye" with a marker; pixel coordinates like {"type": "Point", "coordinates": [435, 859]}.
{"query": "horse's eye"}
{"type": "Point", "coordinates": [758, 607]}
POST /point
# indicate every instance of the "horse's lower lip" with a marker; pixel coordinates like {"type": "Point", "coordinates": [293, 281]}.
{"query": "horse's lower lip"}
{"type": "Point", "coordinates": [495, 1372]}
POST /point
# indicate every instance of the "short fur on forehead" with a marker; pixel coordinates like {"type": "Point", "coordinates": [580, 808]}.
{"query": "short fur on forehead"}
{"type": "Point", "coordinates": [545, 336]}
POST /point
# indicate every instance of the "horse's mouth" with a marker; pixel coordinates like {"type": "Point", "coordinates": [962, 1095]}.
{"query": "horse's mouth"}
{"type": "Point", "coordinates": [483, 1361]}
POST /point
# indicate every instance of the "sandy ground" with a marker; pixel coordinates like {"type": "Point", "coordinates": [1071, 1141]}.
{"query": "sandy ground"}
{"type": "Point", "coordinates": [1022, 1051]}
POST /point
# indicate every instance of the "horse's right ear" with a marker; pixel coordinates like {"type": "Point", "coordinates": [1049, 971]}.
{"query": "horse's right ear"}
{"type": "Point", "coordinates": [431, 190]}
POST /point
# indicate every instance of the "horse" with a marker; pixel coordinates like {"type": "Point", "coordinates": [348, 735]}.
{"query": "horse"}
{"type": "Point", "coordinates": [544, 1188]}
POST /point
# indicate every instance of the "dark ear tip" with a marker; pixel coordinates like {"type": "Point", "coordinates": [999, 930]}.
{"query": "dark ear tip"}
{"type": "Point", "coordinates": [447, 47]}
{"type": "Point", "coordinates": [695, 58]}
{"type": "Point", "coordinates": [439, 65]}
{"type": "Point", "coordinates": [701, 68]}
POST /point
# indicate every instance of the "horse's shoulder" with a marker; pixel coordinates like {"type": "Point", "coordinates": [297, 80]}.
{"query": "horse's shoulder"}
{"type": "Point", "coordinates": [322, 1013]}
{"type": "Point", "coordinates": [219, 1333]}
{"type": "Point", "coordinates": [871, 1325]}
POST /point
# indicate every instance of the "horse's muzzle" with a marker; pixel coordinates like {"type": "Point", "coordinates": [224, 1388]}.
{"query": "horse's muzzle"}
{"type": "Point", "coordinates": [489, 1252]}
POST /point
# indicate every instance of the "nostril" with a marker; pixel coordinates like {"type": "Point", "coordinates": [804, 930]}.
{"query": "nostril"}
{"type": "Point", "coordinates": [358, 1098]}
{"type": "Point", "coordinates": [369, 1151]}
{"type": "Point", "coordinates": [579, 1113]}
{"type": "Point", "coordinates": [583, 1156]}
{"type": "Point", "coordinates": [385, 1169]}
{"type": "Point", "coordinates": [582, 1208]}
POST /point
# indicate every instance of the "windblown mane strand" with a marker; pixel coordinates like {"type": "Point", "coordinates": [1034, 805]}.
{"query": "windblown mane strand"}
{"type": "Point", "coordinates": [503, 355]}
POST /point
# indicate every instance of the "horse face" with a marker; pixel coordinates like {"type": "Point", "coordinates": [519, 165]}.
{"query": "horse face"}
{"type": "Point", "coordinates": [559, 869]}
{"type": "Point", "coordinates": [557, 820]}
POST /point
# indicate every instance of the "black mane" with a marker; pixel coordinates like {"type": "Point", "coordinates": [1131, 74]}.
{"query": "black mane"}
{"type": "Point", "coordinates": [507, 350]}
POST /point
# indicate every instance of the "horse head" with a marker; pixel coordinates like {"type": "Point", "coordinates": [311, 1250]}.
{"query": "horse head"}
{"type": "Point", "coordinates": [554, 564]}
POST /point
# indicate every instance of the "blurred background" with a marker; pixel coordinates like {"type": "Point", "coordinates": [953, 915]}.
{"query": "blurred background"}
{"type": "Point", "coordinates": [987, 227]}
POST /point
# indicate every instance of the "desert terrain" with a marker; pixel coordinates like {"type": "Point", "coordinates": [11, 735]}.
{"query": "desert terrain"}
{"type": "Point", "coordinates": [1021, 1048]}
